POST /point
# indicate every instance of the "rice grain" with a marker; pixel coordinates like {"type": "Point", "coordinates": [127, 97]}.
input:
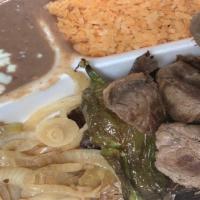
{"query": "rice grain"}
{"type": "Point", "coordinates": [105, 27]}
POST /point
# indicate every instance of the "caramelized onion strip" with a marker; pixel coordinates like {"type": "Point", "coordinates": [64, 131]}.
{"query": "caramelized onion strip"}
{"type": "Point", "coordinates": [66, 104]}
{"type": "Point", "coordinates": [18, 159]}
{"type": "Point", "coordinates": [33, 190]}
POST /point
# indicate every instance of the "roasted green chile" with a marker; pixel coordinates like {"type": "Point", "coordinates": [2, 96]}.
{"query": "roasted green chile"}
{"type": "Point", "coordinates": [130, 153]}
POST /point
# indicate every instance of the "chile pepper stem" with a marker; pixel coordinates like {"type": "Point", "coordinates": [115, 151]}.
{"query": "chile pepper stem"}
{"type": "Point", "coordinates": [94, 76]}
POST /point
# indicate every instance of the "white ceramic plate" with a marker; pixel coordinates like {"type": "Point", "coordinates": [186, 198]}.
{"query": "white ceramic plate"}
{"type": "Point", "coordinates": [111, 66]}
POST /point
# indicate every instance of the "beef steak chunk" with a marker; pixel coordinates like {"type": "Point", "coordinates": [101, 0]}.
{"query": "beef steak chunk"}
{"type": "Point", "coordinates": [178, 155]}
{"type": "Point", "coordinates": [136, 100]}
{"type": "Point", "coordinates": [179, 85]}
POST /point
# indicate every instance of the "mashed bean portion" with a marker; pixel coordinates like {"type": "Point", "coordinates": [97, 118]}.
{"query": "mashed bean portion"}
{"type": "Point", "coordinates": [105, 27]}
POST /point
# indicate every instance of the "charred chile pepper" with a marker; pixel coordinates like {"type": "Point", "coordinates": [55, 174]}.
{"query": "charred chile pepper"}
{"type": "Point", "coordinates": [130, 153]}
